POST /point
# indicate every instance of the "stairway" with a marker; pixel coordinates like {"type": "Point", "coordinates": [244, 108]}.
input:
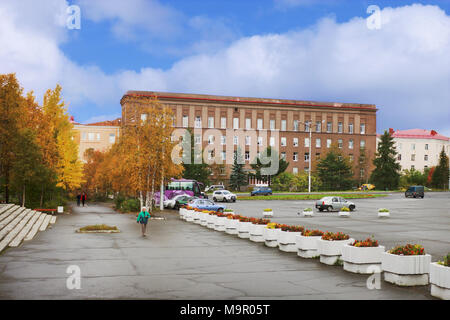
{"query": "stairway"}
{"type": "Point", "coordinates": [18, 224]}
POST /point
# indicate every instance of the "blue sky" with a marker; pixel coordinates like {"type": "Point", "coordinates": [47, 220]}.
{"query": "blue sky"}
{"type": "Point", "coordinates": [297, 49]}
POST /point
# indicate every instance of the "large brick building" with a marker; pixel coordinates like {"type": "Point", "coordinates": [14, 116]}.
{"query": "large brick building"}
{"type": "Point", "coordinates": [349, 125]}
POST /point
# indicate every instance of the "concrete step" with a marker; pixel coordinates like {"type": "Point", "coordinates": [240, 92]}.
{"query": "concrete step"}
{"type": "Point", "coordinates": [45, 223]}
{"type": "Point", "coordinates": [6, 214]}
{"type": "Point", "coordinates": [26, 229]}
{"type": "Point", "coordinates": [35, 227]}
{"type": "Point", "coordinates": [5, 207]}
{"type": "Point", "coordinates": [13, 220]}
{"type": "Point", "coordinates": [53, 220]}
{"type": "Point", "coordinates": [16, 230]}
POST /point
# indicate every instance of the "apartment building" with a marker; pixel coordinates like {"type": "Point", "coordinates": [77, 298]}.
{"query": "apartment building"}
{"type": "Point", "coordinates": [419, 148]}
{"type": "Point", "coordinates": [259, 122]}
{"type": "Point", "coordinates": [99, 136]}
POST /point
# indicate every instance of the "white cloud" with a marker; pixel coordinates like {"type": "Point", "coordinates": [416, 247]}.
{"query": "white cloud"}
{"type": "Point", "coordinates": [403, 67]}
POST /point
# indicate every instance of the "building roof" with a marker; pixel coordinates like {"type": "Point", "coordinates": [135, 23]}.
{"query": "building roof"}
{"type": "Point", "coordinates": [246, 100]}
{"type": "Point", "coordinates": [419, 134]}
{"type": "Point", "coordinates": [106, 123]}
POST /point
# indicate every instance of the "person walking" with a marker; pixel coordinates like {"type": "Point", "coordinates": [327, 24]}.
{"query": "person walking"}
{"type": "Point", "coordinates": [78, 199]}
{"type": "Point", "coordinates": [83, 198]}
{"type": "Point", "coordinates": [142, 218]}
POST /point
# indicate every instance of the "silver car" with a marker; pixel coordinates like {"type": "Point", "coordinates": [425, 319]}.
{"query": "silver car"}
{"type": "Point", "coordinates": [334, 204]}
{"type": "Point", "coordinates": [223, 195]}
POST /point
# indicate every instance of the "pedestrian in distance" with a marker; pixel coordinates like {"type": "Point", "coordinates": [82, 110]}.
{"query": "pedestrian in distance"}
{"type": "Point", "coordinates": [83, 198]}
{"type": "Point", "coordinates": [142, 218]}
{"type": "Point", "coordinates": [78, 199]}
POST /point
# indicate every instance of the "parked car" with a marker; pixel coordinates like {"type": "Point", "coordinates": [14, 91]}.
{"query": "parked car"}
{"type": "Point", "coordinates": [415, 191]}
{"type": "Point", "coordinates": [183, 201]}
{"type": "Point", "coordinates": [334, 204]}
{"type": "Point", "coordinates": [204, 204]}
{"type": "Point", "coordinates": [223, 195]}
{"type": "Point", "coordinates": [261, 191]}
{"type": "Point", "coordinates": [214, 187]}
{"type": "Point", "coordinates": [170, 203]}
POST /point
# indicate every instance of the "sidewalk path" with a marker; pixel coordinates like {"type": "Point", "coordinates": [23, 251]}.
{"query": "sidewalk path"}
{"type": "Point", "coordinates": [179, 260]}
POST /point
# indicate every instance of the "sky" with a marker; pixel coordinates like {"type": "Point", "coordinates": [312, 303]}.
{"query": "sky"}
{"type": "Point", "coordinates": [397, 58]}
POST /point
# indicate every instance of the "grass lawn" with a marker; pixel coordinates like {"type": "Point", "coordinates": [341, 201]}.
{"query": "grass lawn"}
{"type": "Point", "coordinates": [312, 196]}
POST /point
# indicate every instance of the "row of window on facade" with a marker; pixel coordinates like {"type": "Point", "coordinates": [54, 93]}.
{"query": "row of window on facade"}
{"type": "Point", "coordinates": [413, 157]}
{"type": "Point", "coordinates": [426, 146]}
{"type": "Point", "coordinates": [283, 141]}
{"type": "Point", "coordinates": [259, 125]}
{"type": "Point", "coordinates": [92, 136]}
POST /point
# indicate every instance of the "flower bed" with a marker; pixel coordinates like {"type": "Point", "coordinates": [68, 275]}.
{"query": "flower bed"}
{"type": "Point", "coordinates": [330, 246]}
{"type": "Point", "coordinates": [362, 256]}
{"type": "Point", "coordinates": [306, 243]}
{"type": "Point", "coordinates": [257, 229]}
{"type": "Point", "coordinates": [231, 225]}
{"type": "Point", "coordinates": [406, 265]}
{"type": "Point", "coordinates": [270, 235]}
{"type": "Point", "coordinates": [440, 278]}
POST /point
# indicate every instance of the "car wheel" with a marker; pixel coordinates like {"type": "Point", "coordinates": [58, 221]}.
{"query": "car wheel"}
{"type": "Point", "coordinates": [320, 209]}
{"type": "Point", "coordinates": [330, 208]}
{"type": "Point", "coordinates": [351, 208]}
{"type": "Point", "coordinates": [214, 199]}
{"type": "Point", "coordinates": [220, 210]}
{"type": "Point", "coordinates": [234, 200]}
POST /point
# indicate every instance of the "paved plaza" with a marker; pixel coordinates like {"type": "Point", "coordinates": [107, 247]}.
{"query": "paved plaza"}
{"type": "Point", "coordinates": [181, 260]}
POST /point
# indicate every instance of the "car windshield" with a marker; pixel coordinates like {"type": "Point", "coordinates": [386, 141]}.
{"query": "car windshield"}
{"type": "Point", "coordinates": [226, 192]}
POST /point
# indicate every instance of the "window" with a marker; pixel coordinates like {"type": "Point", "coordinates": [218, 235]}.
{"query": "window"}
{"type": "Point", "coordinates": [185, 121]}
{"type": "Point", "coordinates": [339, 127]}
{"type": "Point", "coordinates": [413, 167]}
{"type": "Point", "coordinates": [328, 143]}
{"type": "Point", "coordinates": [210, 139]}
{"type": "Point", "coordinates": [223, 140]}
{"type": "Point", "coordinates": [363, 128]}
{"type": "Point", "coordinates": [399, 146]}
{"type": "Point", "coordinates": [307, 156]}
{"type": "Point", "coordinates": [350, 144]}
{"type": "Point", "coordinates": [83, 136]}
{"type": "Point", "coordinates": [295, 170]}
{"type": "Point", "coordinates": [317, 156]}
{"type": "Point", "coordinates": [307, 125]}
{"type": "Point", "coordinates": [340, 143]}
{"type": "Point", "coordinates": [235, 123]}
{"type": "Point", "coordinates": [144, 117]}
{"type": "Point", "coordinates": [306, 142]}
{"type": "Point", "coordinates": [425, 157]}
{"type": "Point", "coordinates": [283, 141]}
{"type": "Point", "coordinates": [295, 125]}
{"type": "Point", "coordinates": [426, 146]}
{"type": "Point", "coordinates": [413, 146]}
{"type": "Point", "coordinates": [236, 140]}
{"type": "Point", "coordinates": [248, 124]}
{"type": "Point", "coordinates": [247, 155]}
{"type": "Point", "coordinates": [224, 155]}
{"type": "Point", "coordinates": [272, 124]}
{"type": "Point", "coordinates": [91, 136]}
{"type": "Point", "coordinates": [283, 155]}
{"type": "Point", "coordinates": [197, 139]}
{"type": "Point", "coordinates": [295, 142]}
{"type": "Point", "coordinates": [350, 128]}
{"type": "Point", "coordinates": [198, 122]}
{"type": "Point", "coordinates": [272, 141]}
{"type": "Point", "coordinates": [413, 157]}
{"type": "Point", "coordinates": [210, 122]}
{"type": "Point", "coordinates": [351, 158]}
{"type": "Point", "coordinates": [329, 127]}
{"type": "Point", "coordinates": [362, 144]}
{"type": "Point", "coordinates": [248, 140]}
{"type": "Point", "coordinates": [260, 141]}
{"type": "Point", "coordinates": [318, 126]}
{"type": "Point", "coordinates": [283, 125]}
{"type": "Point", "coordinates": [295, 156]}
{"type": "Point", "coordinates": [223, 123]}
{"type": "Point", "coordinates": [361, 172]}
{"type": "Point", "coordinates": [318, 143]}
{"type": "Point", "coordinates": [260, 124]}
{"type": "Point", "coordinates": [112, 138]}
{"type": "Point", "coordinates": [399, 157]}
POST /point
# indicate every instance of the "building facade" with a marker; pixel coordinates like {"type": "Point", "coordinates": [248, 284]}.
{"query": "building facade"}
{"type": "Point", "coordinates": [255, 123]}
{"type": "Point", "coordinates": [98, 136]}
{"type": "Point", "coordinates": [418, 148]}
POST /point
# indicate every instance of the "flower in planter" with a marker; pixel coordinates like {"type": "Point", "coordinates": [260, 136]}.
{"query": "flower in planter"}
{"type": "Point", "coordinates": [288, 228]}
{"type": "Point", "coordinates": [236, 217]}
{"type": "Point", "coordinates": [267, 210]}
{"type": "Point", "coordinates": [446, 262]}
{"type": "Point", "coordinates": [345, 209]}
{"type": "Point", "coordinates": [369, 242]}
{"type": "Point", "coordinates": [312, 233]}
{"type": "Point", "coordinates": [408, 250]}
{"type": "Point", "coordinates": [230, 216]}
{"type": "Point", "coordinates": [244, 219]}
{"type": "Point", "coordinates": [383, 210]}
{"type": "Point", "coordinates": [273, 225]}
{"type": "Point", "coordinates": [259, 221]}
{"type": "Point", "coordinates": [330, 236]}
{"type": "Point", "coordinates": [228, 210]}
{"type": "Point", "coordinates": [307, 209]}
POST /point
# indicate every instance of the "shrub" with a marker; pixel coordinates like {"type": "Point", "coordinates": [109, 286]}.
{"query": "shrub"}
{"type": "Point", "coordinates": [369, 242]}
{"type": "Point", "coordinates": [97, 227]}
{"type": "Point", "coordinates": [446, 261]}
{"type": "Point", "coordinates": [312, 233]}
{"type": "Point", "coordinates": [330, 236]}
{"type": "Point", "coordinates": [408, 250]}
{"type": "Point", "coordinates": [131, 205]}
{"type": "Point", "coordinates": [118, 201]}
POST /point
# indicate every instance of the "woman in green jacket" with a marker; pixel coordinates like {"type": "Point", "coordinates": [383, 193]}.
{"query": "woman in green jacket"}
{"type": "Point", "coordinates": [142, 218]}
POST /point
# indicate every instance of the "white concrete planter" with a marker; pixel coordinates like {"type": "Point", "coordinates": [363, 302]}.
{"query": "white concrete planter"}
{"type": "Point", "coordinates": [204, 219]}
{"type": "Point", "coordinates": [188, 216]}
{"type": "Point", "coordinates": [228, 212]}
{"type": "Point", "coordinates": [308, 213]}
{"type": "Point", "coordinates": [344, 214]}
{"type": "Point", "coordinates": [271, 237]}
{"type": "Point", "coordinates": [182, 212]}
{"type": "Point", "coordinates": [219, 225]}
{"type": "Point", "coordinates": [196, 217]}
{"type": "Point", "coordinates": [406, 270]}
{"type": "Point", "coordinates": [330, 251]}
{"type": "Point", "coordinates": [365, 260]}
{"type": "Point", "coordinates": [384, 214]}
{"type": "Point", "coordinates": [211, 221]}
{"type": "Point", "coordinates": [267, 214]}
{"type": "Point", "coordinates": [231, 226]}
{"type": "Point", "coordinates": [307, 246]}
{"type": "Point", "coordinates": [287, 241]}
{"type": "Point", "coordinates": [244, 230]}
{"type": "Point", "coordinates": [256, 232]}
{"type": "Point", "coordinates": [440, 281]}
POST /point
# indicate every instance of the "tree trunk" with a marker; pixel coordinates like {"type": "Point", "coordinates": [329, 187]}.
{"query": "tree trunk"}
{"type": "Point", "coordinates": [42, 197]}
{"type": "Point", "coordinates": [23, 196]}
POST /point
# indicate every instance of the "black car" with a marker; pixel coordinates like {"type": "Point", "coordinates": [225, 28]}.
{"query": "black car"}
{"type": "Point", "coordinates": [415, 192]}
